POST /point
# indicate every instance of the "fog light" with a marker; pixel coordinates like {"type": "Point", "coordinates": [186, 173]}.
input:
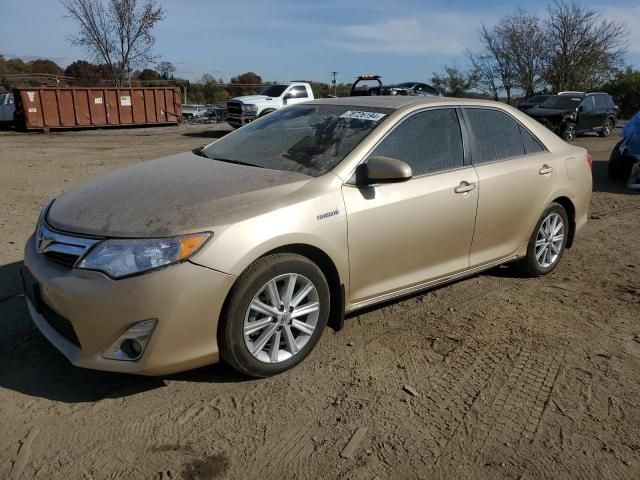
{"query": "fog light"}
{"type": "Point", "coordinates": [131, 344]}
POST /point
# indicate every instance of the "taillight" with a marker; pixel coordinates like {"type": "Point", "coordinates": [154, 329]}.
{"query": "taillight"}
{"type": "Point", "coordinates": [590, 160]}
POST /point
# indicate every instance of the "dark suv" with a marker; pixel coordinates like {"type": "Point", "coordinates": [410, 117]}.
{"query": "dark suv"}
{"type": "Point", "coordinates": [572, 113]}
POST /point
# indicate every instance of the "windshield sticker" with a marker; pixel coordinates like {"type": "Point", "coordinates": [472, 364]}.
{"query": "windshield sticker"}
{"type": "Point", "coordinates": [371, 116]}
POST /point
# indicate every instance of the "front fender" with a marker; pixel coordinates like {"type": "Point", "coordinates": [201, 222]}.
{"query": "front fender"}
{"type": "Point", "coordinates": [319, 222]}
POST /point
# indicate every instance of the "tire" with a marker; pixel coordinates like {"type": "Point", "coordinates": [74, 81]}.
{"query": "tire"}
{"type": "Point", "coordinates": [569, 132]}
{"type": "Point", "coordinates": [539, 260]}
{"type": "Point", "coordinates": [253, 354]}
{"type": "Point", "coordinates": [620, 165]}
{"type": "Point", "coordinates": [607, 128]}
{"type": "Point", "coordinates": [266, 112]}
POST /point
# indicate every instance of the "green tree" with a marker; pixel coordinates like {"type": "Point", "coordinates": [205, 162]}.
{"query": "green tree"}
{"type": "Point", "coordinates": [212, 91]}
{"type": "Point", "coordinates": [625, 89]}
{"type": "Point", "coordinates": [248, 83]}
{"type": "Point", "coordinates": [87, 74]}
{"type": "Point", "coordinates": [453, 82]}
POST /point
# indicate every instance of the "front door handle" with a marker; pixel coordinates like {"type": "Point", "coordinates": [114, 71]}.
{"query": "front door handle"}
{"type": "Point", "coordinates": [464, 187]}
{"type": "Point", "coordinates": [545, 169]}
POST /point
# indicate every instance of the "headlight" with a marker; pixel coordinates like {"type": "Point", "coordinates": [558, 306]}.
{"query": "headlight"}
{"type": "Point", "coordinates": [250, 108]}
{"type": "Point", "coordinates": [120, 258]}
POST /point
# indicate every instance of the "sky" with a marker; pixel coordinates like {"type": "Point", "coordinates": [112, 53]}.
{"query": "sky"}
{"type": "Point", "coordinates": [402, 40]}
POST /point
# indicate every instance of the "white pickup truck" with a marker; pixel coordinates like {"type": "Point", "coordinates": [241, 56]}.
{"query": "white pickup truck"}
{"type": "Point", "coordinates": [242, 110]}
{"type": "Point", "coordinates": [7, 108]}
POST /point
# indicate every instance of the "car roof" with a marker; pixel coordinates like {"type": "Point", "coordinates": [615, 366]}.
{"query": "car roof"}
{"type": "Point", "coordinates": [397, 102]}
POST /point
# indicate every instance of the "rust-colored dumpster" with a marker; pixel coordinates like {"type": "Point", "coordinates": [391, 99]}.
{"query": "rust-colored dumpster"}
{"type": "Point", "coordinates": [64, 108]}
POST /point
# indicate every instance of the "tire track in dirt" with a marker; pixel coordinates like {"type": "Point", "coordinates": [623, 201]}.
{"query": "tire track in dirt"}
{"type": "Point", "coordinates": [287, 454]}
{"type": "Point", "coordinates": [436, 417]}
{"type": "Point", "coordinates": [516, 412]}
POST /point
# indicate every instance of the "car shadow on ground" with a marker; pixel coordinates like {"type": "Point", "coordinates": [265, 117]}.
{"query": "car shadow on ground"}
{"type": "Point", "coordinates": [212, 134]}
{"type": "Point", "coordinates": [602, 182]}
{"type": "Point", "coordinates": [32, 366]}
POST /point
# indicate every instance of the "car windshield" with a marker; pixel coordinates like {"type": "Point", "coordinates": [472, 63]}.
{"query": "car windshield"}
{"type": "Point", "coordinates": [406, 85]}
{"type": "Point", "coordinates": [561, 102]}
{"type": "Point", "coordinates": [274, 90]}
{"type": "Point", "coordinates": [310, 139]}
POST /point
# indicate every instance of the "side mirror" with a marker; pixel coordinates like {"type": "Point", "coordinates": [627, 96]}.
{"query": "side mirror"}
{"type": "Point", "coordinates": [380, 169]}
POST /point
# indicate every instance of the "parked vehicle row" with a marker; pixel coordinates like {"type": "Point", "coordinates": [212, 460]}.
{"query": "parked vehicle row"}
{"type": "Point", "coordinates": [571, 113]}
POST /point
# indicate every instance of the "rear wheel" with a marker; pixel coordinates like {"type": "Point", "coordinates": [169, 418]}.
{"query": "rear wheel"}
{"type": "Point", "coordinates": [275, 315]}
{"type": "Point", "coordinates": [606, 128]}
{"type": "Point", "coordinates": [569, 132]}
{"type": "Point", "coordinates": [548, 241]}
{"type": "Point", "coordinates": [620, 165]}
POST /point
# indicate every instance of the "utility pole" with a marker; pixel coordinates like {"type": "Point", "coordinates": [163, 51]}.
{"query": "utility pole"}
{"type": "Point", "coordinates": [333, 83]}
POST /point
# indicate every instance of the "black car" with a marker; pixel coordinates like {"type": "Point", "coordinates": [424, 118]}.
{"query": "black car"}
{"type": "Point", "coordinates": [571, 114]}
{"type": "Point", "coordinates": [531, 102]}
{"type": "Point", "coordinates": [411, 88]}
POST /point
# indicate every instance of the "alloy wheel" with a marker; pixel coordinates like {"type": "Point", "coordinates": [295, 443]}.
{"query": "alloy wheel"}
{"type": "Point", "coordinates": [281, 318]}
{"type": "Point", "coordinates": [607, 128]}
{"type": "Point", "coordinates": [550, 240]}
{"type": "Point", "coordinates": [570, 133]}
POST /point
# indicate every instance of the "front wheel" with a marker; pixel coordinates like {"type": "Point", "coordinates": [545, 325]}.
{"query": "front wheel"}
{"type": "Point", "coordinates": [569, 132]}
{"type": "Point", "coordinates": [547, 243]}
{"type": "Point", "coordinates": [275, 315]}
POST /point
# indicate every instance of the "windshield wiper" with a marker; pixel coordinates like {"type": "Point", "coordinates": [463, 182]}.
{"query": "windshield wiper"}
{"type": "Point", "coordinates": [236, 162]}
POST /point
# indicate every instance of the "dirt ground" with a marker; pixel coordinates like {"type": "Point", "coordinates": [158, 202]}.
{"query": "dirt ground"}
{"type": "Point", "coordinates": [508, 377]}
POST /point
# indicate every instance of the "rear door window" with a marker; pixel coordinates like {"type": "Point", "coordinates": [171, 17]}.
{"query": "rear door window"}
{"type": "Point", "coordinates": [601, 101]}
{"type": "Point", "coordinates": [531, 144]}
{"type": "Point", "coordinates": [428, 141]}
{"type": "Point", "coordinates": [298, 92]}
{"type": "Point", "coordinates": [497, 136]}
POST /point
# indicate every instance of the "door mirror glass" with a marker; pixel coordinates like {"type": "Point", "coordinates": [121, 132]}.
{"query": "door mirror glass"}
{"type": "Point", "coordinates": [380, 169]}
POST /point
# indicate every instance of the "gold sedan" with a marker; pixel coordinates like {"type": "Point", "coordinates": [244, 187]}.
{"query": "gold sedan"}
{"type": "Point", "coordinates": [246, 249]}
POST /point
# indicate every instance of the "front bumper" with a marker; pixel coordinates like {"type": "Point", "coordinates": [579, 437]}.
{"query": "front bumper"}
{"type": "Point", "coordinates": [238, 121]}
{"type": "Point", "coordinates": [555, 125]}
{"type": "Point", "coordinates": [185, 299]}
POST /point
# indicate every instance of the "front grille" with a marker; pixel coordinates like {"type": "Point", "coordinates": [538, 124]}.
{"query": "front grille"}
{"type": "Point", "coordinates": [65, 259]}
{"type": "Point", "coordinates": [59, 324]}
{"type": "Point", "coordinates": [234, 108]}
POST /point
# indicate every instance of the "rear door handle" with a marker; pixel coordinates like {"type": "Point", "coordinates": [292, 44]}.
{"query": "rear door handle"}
{"type": "Point", "coordinates": [545, 169]}
{"type": "Point", "coordinates": [464, 187]}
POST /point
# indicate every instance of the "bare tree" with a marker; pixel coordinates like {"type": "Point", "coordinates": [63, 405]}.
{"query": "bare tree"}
{"type": "Point", "coordinates": [525, 47]}
{"type": "Point", "coordinates": [485, 73]}
{"type": "Point", "coordinates": [166, 70]}
{"type": "Point", "coordinates": [117, 32]}
{"type": "Point", "coordinates": [584, 51]}
{"type": "Point", "coordinates": [496, 46]}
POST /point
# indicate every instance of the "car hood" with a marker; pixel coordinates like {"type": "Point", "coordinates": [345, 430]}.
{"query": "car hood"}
{"type": "Point", "coordinates": [173, 195]}
{"type": "Point", "coordinates": [250, 99]}
{"type": "Point", "coordinates": [548, 112]}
